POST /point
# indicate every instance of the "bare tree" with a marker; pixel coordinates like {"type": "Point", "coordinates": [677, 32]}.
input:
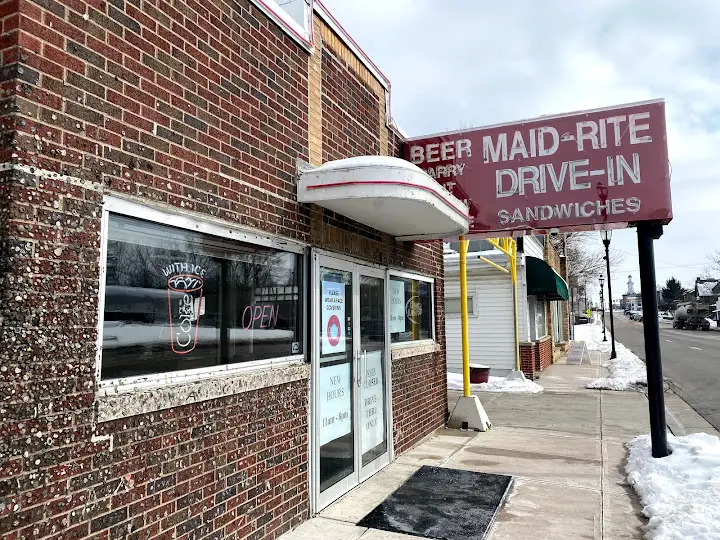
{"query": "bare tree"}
{"type": "Point", "coordinates": [585, 256]}
{"type": "Point", "coordinates": [712, 270]}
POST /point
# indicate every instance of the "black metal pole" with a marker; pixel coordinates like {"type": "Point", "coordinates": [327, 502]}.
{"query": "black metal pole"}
{"type": "Point", "coordinates": [613, 354]}
{"type": "Point", "coordinates": [647, 233]}
{"type": "Point", "coordinates": [572, 315]}
{"type": "Point", "coordinates": [602, 307]}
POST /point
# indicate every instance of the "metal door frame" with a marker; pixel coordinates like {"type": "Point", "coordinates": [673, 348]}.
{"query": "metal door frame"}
{"type": "Point", "coordinates": [326, 259]}
{"type": "Point", "coordinates": [383, 460]}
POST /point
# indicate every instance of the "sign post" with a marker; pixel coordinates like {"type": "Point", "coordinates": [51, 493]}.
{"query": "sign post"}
{"type": "Point", "coordinates": [590, 170]}
{"type": "Point", "coordinates": [647, 233]}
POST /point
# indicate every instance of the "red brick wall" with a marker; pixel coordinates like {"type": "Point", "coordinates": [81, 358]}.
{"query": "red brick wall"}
{"type": "Point", "coordinates": [201, 106]}
{"type": "Point", "coordinates": [527, 359]}
{"type": "Point", "coordinates": [350, 111]}
{"type": "Point", "coordinates": [137, 102]}
{"type": "Point", "coordinates": [198, 106]}
{"type": "Point", "coordinates": [544, 356]}
{"type": "Point", "coordinates": [420, 390]}
{"type": "Point", "coordinates": [536, 357]}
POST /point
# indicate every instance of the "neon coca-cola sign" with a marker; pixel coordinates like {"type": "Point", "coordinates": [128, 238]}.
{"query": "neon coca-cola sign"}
{"type": "Point", "coordinates": [186, 307]}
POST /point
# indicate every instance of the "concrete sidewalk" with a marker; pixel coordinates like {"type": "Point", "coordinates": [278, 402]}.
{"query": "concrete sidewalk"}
{"type": "Point", "coordinates": [564, 446]}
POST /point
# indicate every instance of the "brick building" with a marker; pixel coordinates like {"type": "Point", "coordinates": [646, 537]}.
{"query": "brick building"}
{"type": "Point", "coordinates": [187, 350]}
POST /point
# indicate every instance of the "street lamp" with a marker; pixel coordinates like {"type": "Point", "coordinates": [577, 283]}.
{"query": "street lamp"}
{"type": "Point", "coordinates": [602, 306]}
{"type": "Point", "coordinates": [606, 236]}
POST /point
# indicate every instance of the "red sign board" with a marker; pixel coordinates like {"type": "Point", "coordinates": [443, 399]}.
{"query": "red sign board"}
{"type": "Point", "coordinates": [582, 170]}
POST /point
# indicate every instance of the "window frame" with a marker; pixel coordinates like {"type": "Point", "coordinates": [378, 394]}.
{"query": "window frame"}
{"type": "Point", "coordinates": [472, 311]}
{"type": "Point", "coordinates": [276, 13]}
{"type": "Point", "coordinates": [418, 277]}
{"type": "Point", "coordinates": [533, 333]}
{"type": "Point", "coordinates": [183, 220]}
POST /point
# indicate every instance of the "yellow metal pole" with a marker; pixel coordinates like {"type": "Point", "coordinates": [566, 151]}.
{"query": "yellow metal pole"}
{"type": "Point", "coordinates": [464, 316]}
{"type": "Point", "coordinates": [488, 261]}
{"type": "Point", "coordinates": [513, 275]}
{"type": "Point", "coordinates": [502, 248]}
{"type": "Point", "coordinates": [413, 309]}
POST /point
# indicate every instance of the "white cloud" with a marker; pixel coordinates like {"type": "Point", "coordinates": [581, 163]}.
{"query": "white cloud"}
{"type": "Point", "coordinates": [467, 63]}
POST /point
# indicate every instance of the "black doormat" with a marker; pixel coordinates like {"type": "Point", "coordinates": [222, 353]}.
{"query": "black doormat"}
{"type": "Point", "coordinates": [446, 504]}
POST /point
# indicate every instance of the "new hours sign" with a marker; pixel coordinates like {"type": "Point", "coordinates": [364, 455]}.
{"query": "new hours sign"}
{"type": "Point", "coordinates": [571, 171]}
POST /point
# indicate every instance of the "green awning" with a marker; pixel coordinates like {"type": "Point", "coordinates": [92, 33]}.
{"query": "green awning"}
{"type": "Point", "coordinates": [543, 281]}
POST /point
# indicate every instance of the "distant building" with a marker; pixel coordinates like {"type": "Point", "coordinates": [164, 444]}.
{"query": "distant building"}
{"type": "Point", "coordinates": [631, 300]}
{"type": "Point", "coordinates": [707, 291]}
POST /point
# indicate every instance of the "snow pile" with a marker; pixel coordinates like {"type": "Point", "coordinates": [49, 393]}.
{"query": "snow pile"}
{"type": "Point", "coordinates": [713, 324]}
{"type": "Point", "coordinates": [515, 382]}
{"type": "Point", "coordinates": [591, 334]}
{"type": "Point", "coordinates": [627, 371]}
{"type": "Point", "coordinates": [679, 493]}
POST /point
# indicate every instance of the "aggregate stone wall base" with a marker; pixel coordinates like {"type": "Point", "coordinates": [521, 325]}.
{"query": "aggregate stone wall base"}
{"type": "Point", "coordinates": [119, 403]}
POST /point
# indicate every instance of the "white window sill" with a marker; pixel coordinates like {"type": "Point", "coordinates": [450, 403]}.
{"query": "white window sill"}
{"type": "Point", "coordinates": [414, 348]}
{"type": "Point", "coordinates": [122, 401]}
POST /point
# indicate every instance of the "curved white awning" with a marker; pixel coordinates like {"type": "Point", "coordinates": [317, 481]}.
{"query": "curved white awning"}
{"type": "Point", "coordinates": [388, 194]}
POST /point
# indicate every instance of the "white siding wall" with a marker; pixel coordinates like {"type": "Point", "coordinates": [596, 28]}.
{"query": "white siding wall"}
{"type": "Point", "coordinates": [533, 247]}
{"type": "Point", "coordinates": [491, 327]}
{"type": "Point", "coordinates": [523, 315]}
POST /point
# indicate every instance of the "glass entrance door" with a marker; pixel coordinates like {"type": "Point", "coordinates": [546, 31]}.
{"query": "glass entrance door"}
{"type": "Point", "coordinates": [372, 407]}
{"type": "Point", "coordinates": [350, 373]}
{"type": "Point", "coordinates": [335, 381]}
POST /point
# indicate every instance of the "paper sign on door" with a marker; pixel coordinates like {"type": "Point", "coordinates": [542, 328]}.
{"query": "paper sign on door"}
{"type": "Point", "coordinates": [397, 306]}
{"type": "Point", "coordinates": [333, 317]}
{"type": "Point", "coordinates": [335, 402]}
{"type": "Point", "coordinates": [373, 397]}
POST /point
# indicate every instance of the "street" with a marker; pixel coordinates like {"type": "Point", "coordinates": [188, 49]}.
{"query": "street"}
{"type": "Point", "coordinates": [691, 361]}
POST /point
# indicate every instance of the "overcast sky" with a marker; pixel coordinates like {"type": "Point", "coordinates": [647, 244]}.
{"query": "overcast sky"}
{"type": "Point", "coordinates": [460, 63]}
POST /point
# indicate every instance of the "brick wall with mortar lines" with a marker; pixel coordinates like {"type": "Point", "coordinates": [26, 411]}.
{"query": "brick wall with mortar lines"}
{"type": "Point", "coordinates": [419, 388]}
{"type": "Point", "coordinates": [544, 354]}
{"type": "Point", "coordinates": [527, 359]}
{"type": "Point", "coordinates": [146, 102]}
{"type": "Point", "coordinates": [197, 106]}
{"type": "Point", "coordinates": [350, 111]}
{"type": "Point", "coordinates": [536, 357]}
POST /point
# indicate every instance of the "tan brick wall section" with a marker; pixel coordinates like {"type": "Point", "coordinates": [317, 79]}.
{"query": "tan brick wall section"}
{"type": "Point", "coordinates": [315, 101]}
{"type": "Point", "coordinates": [326, 35]}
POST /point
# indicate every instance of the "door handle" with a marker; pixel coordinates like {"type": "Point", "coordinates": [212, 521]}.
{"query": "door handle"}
{"type": "Point", "coordinates": [364, 366]}
{"type": "Point", "coordinates": [358, 377]}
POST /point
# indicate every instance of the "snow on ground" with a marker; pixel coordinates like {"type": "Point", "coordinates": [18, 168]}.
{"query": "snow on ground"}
{"type": "Point", "coordinates": [680, 493]}
{"type": "Point", "coordinates": [627, 371]}
{"type": "Point", "coordinates": [511, 383]}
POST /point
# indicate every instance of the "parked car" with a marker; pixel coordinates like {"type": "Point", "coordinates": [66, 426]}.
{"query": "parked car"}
{"type": "Point", "coordinates": [691, 316]}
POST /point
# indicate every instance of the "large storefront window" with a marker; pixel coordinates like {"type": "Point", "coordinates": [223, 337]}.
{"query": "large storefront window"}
{"type": "Point", "coordinates": [411, 313]}
{"type": "Point", "coordinates": [178, 300]}
{"type": "Point", "coordinates": [538, 320]}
